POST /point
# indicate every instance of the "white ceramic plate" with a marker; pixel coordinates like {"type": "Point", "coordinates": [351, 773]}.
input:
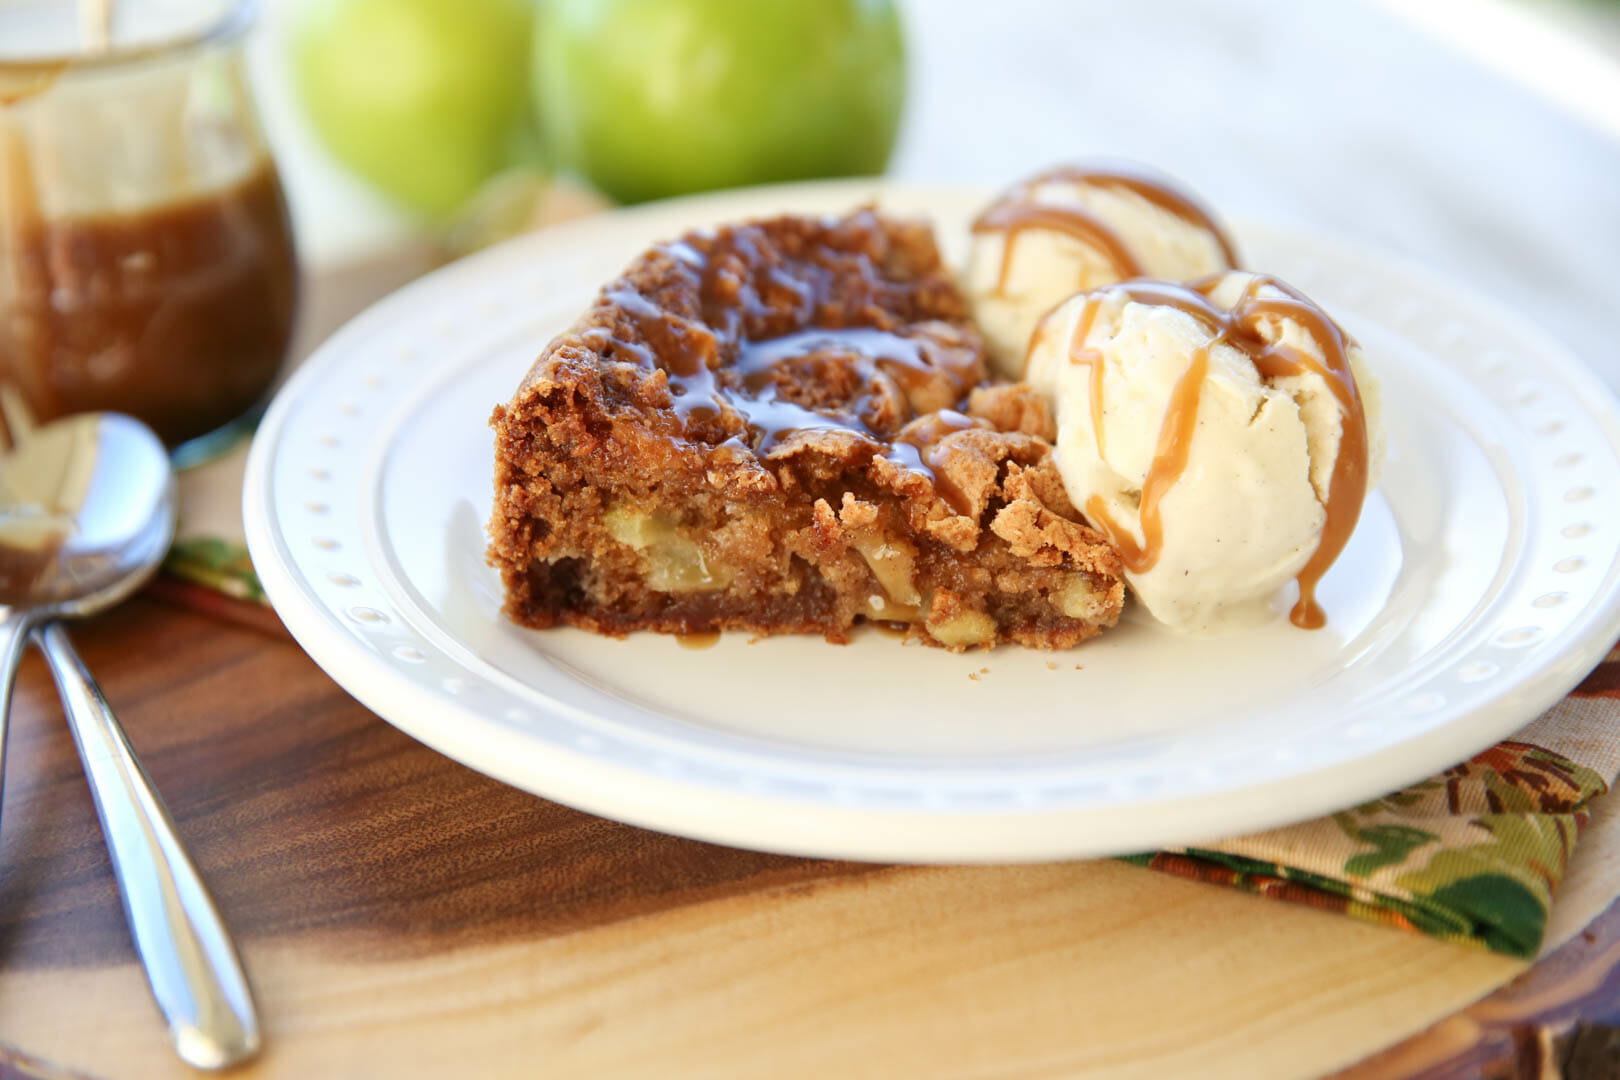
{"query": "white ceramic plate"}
{"type": "Point", "coordinates": [1478, 588]}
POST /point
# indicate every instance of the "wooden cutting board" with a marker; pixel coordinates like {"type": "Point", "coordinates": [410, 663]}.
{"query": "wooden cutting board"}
{"type": "Point", "coordinates": [402, 915]}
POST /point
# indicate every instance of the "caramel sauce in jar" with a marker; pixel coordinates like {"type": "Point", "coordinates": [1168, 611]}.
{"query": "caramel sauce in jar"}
{"type": "Point", "coordinates": [179, 314]}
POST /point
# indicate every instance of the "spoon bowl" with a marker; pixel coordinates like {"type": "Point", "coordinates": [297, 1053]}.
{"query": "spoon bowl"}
{"type": "Point", "coordinates": [87, 512]}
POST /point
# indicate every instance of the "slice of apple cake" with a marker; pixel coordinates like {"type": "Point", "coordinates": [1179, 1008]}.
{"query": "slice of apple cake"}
{"type": "Point", "coordinates": [785, 426]}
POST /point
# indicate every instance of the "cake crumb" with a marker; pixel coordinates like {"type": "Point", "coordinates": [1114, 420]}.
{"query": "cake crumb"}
{"type": "Point", "coordinates": [974, 675]}
{"type": "Point", "coordinates": [1077, 667]}
{"type": "Point", "coordinates": [984, 671]}
{"type": "Point", "coordinates": [1050, 666]}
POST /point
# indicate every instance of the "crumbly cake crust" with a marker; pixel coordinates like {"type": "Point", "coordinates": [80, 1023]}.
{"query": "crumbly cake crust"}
{"type": "Point", "coordinates": [784, 426]}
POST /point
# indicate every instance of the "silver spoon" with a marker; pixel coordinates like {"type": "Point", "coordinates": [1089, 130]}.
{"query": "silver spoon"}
{"type": "Point", "coordinates": [87, 512]}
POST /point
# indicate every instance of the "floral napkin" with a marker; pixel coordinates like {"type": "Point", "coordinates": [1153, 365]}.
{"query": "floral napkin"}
{"type": "Point", "coordinates": [210, 549]}
{"type": "Point", "coordinates": [1472, 855]}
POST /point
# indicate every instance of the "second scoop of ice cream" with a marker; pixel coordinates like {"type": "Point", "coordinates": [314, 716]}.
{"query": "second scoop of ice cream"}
{"type": "Point", "coordinates": [1075, 228]}
{"type": "Point", "coordinates": [1206, 431]}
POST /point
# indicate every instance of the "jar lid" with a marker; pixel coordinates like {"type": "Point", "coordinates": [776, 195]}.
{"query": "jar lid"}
{"type": "Point", "coordinates": [35, 32]}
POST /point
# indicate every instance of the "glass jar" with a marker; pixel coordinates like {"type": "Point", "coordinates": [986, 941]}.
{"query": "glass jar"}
{"type": "Point", "coordinates": [146, 257]}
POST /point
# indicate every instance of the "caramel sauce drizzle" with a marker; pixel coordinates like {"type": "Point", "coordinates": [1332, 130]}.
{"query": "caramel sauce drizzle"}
{"type": "Point", "coordinates": [1091, 358]}
{"type": "Point", "coordinates": [1238, 328]}
{"type": "Point", "coordinates": [923, 441]}
{"type": "Point", "coordinates": [1015, 217]}
{"type": "Point", "coordinates": [1018, 210]}
{"type": "Point", "coordinates": [745, 394]}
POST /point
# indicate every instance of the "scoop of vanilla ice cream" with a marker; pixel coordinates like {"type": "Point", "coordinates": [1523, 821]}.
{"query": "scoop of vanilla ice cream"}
{"type": "Point", "coordinates": [1247, 512]}
{"type": "Point", "coordinates": [1047, 267]}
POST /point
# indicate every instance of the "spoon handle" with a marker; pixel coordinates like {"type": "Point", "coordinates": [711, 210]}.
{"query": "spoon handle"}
{"type": "Point", "coordinates": [13, 640]}
{"type": "Point", "coordinates": [191, 963]}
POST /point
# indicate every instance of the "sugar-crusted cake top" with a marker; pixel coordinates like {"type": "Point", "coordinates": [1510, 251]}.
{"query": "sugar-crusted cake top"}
{"type": "Point", "coordinates": [754, 333]}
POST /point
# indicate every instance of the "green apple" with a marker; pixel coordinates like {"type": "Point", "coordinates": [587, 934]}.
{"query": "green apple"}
{"type": "Point", "coordinates": [647, 98]}
{"type": "Point", "coordinates": [426, 99]}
